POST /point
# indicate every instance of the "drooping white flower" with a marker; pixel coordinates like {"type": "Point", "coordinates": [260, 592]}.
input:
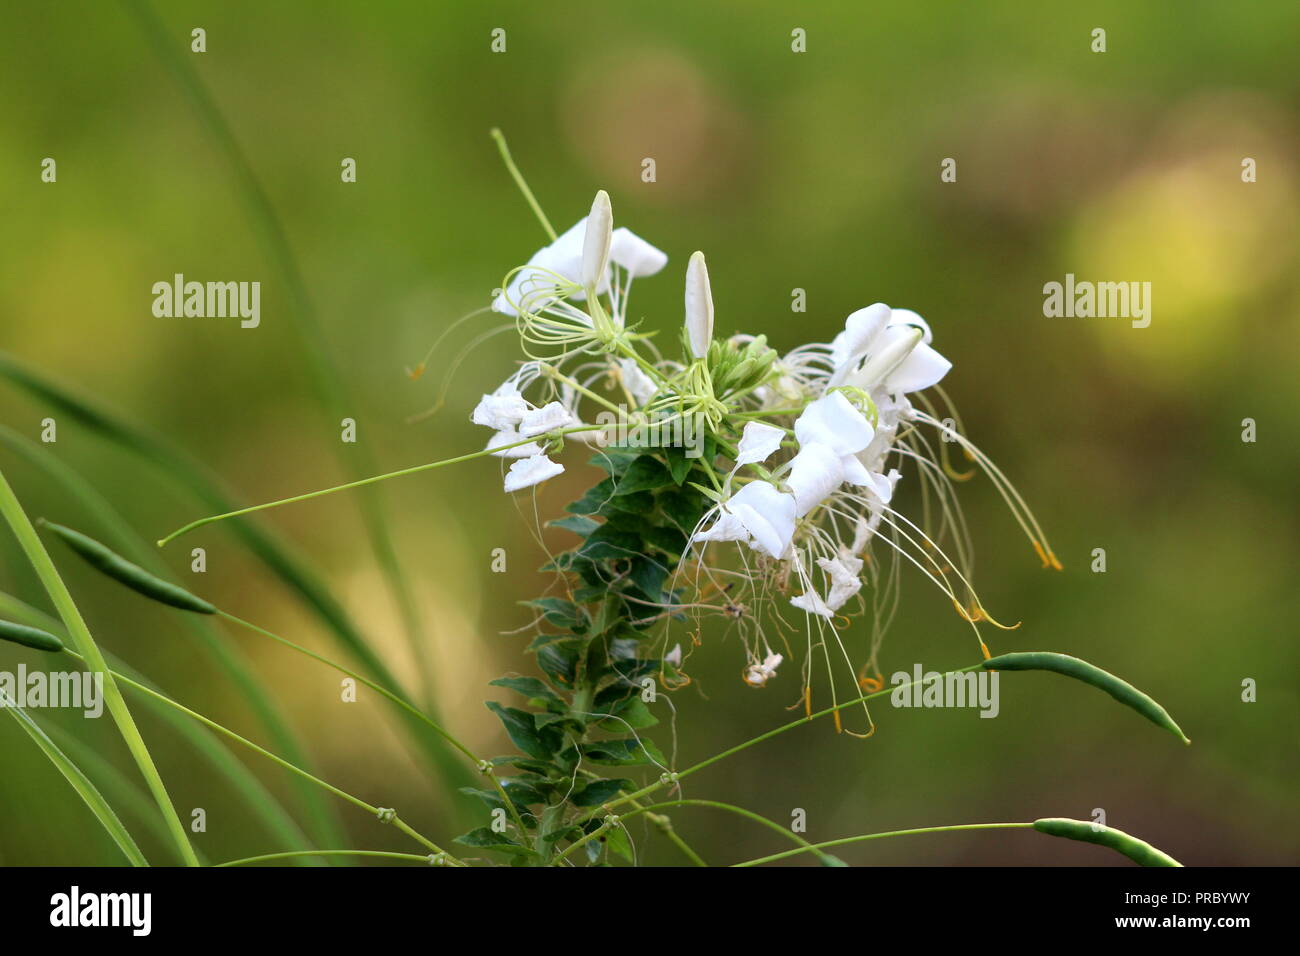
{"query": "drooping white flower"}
{"type": "Point", "coordinates": [510, 436]}
{"type": "Point", "coordinates": [812, 602]}
{"type": "Point", "coordinates": [549, 417]}
{"type": "Point", "coordinates": [860, 330]}
{"type": "Point", "coordinates": [757, 675]}
{"type": "Point", "coordinates": [765, 514]}
{"type": "Point", "coordinates": [758, 442]}
{"type": "Point", "coordinates": [504, 408]}
{"type": "Point", "coordinates": [834, 422]}
{"type": "Point", "coordinates": [842, 571]}
{"type": "Point", "coordinates": [596, 241]}
{"type": "Point", "coordinates": [814, 475]}
{"type": "Point", "coordinates": [530, 471]}
{"type": "Point", "coordinates": [699, 306]}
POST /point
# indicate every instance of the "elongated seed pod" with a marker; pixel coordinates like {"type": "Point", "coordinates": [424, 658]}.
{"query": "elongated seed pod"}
{"type": "Point", "coordinates": [1121, 690]}
{"type": "Point", "coordinates": [133, 576]}
{"type": "Point", "coordinates": [1139, 851]}
{"type": "Point", "coordinates": [29, 636]}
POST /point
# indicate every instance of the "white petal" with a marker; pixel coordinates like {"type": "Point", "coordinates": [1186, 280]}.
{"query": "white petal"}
{"type": "Point", "coordinates": [640, 385]}
{"type": "Point", "coordinates": [908, 317]}
{"type": "Point", "coordinates": [728, 527]}
{"type": "Point", "coordinates": [596, 240]}
{"type": "Point", "coordinates": [767, 514]}
{"type": "Point", "coordinates": [812, 602]}
{"type": "Point", "coordinates": [833, 421]}
{"type": "Point", "coordinates": [531, 471]}
{"type": "Point", "coordinates": [892, 349]}
{"type": "Point", "coordinates": [844, 582]}
{"type": "Point", "coordinates": [758, 442]}
{"type": "Point", "coordinates": [500, 410]}
{"type": "Point", "coordinates": [922, 368]}
{"type": "Point", "coordinates": [508, 436]}
{"type": "Point", "coordinates": [547, 418]}
{"type": "Point", "coordinates": [699, 306]}
{"type": "Point", "coordinates": [814, 474]}
{"type": "Point", "coordinates": [860, 330]}
{"type": "Point", "coordinates": [634, 254]}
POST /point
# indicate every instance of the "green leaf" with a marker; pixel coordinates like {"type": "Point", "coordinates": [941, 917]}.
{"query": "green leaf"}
{"type": "Point", "coordinates": [579, 524]}
{"type": "Point", "coordinates": [484, 839]}
{"type": "Point", "coordinates": [530, 687]}
{"type": "Point", "coordinates": [558, 611]}
{"type": "Point", "coordinates": [616, 839]}
{"type": "Point", "coordinates": [519, 725]}
{"type": "Point", "coordinates": [599, 791]}
{"type": "Point", "coordinates": [559, 661]}
{"type": "Point", "coordinates": [609, 543]}
{"type": "Point", "coordinates": [646, 473]}
{"type": "Point", "coordinates": [624, 752]}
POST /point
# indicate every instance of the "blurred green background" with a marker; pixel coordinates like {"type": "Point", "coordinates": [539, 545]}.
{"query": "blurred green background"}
{"type": "Point", "coordinates": [818, 171]}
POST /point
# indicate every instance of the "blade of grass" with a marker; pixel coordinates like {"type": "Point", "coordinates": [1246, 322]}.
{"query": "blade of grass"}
{"type": "Point", "coordinates": [246, 784]}
{"type": "Point", "coordinates": [324, 820]}
{"type": "Point", "coordinates": [115, 784]}
{"type": "Point", "coordinates": [85, 643]}
{"type": "Point", "coordinates": [204, 486]}
{"type": "Point", "coordinates": [93, 799]}
{"type": "Point", "coordinates": [329, 383]}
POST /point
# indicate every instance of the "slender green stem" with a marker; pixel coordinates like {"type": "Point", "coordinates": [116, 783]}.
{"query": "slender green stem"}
{"type": "Point", "coordinates": [519, 181]}
{"type": "Point", "coordinates": [880, 836]}
{"type": "Point", "coordinates": [670, 778]}
{"type": "Point", "coordinates": [268, 857]}
{"type": "Point", "coordinates": [81, 638]}
{"type": "Point", "coordinates": [274, 758]}
{"type": "Point", "coordinates": [93, 799]}
{"type": "Point", "coordinates": [804, 845]}
{"type": "Point", "coordinates": [367, 481]}
{"type": "Point", "coordinates": [399, 701]}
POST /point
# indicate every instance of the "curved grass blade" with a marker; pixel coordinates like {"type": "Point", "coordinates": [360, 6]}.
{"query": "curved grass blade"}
{"type": "Point", "coordinates": [1139, 851]}
{"type": "Point", "coordinates": [322, 814]}
{"type": "Point", "coordinates": [113, 783]}
{"type": "Point", "coordinates": [260, 800]}
{"type": "Point", "coordinates": [93, 799]}
{"type": "Point", "coordinates": [273, 553]}
{"type": "Point", "coordinates": [85, 643]}
{"type": "Point", "coordinates": [1121, 690]}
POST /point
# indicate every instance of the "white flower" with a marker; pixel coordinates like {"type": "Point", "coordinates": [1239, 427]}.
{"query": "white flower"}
{"type": "Point", "coordinates": [699, 306]}
{"type": "Point", "coordinates": [509, 436]}
{"type": "Point", "coordinates": [674, 656]}
{"type": "Point", "coordinates": [531, 471]}
{"type": "Point", "coordinates": [881, 347]}
{"type": "Point", "coordinates": [596, 241]}
{"type": "Point", "coordinates": [639, 385]}
{"type": "Point", "coordinates": [758, 442]}
{"type": "Point", "coordinates": [756, 675]}
{"type": "Point", "coordinates": [549, 417]}
{"type": "Point", "coordinates": [834, 422]}
{"type": "Point", "coordinates": [504, 408]}
{"type": "Point", "coordinates": [843, 574]}
{"type": "Point", "coordinates": [765, 515]}
{"type": "Point", "coordinates": [812, 602]}
{"type": "Point", "coordinates": [814, 475]}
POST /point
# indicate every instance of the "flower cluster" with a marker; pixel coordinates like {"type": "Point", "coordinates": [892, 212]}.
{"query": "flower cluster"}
{"type": "Point", "coordinates": [804, 449]}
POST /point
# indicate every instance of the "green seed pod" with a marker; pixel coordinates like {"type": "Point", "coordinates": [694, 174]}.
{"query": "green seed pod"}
{"type": "Point", "coordinates": [29, 637]}
{"type": "Point", "coordinates": [132, 575]}
{"type": "Point", "coordinates": [1122, 691]}
{"type": "Point", "coordinates": [1139, 851]}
